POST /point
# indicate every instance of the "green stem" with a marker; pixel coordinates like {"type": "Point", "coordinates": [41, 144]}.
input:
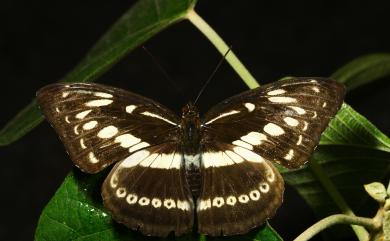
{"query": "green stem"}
{"type": "Point", "coordinates": [222, 47]}
{"type": "Point", "coordinates": [360, 232]}
{"type": "Point", "coordinates": [336, 219]}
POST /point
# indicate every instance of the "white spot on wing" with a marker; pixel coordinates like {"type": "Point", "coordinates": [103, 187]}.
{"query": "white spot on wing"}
{"type": "Point", "coordinates": [107, 132]}
{"type": "Point", "coordinates": [254, 138]}
{"type": "Point", "coordinates": [315, 89]}
{"type": "Point", "coordinates": [282, 99]}
{"type": "Point", "coordinates": [305, 125]}
{"type": "Point", "coordinates": [299, 140]}
{"type": "Point", "coordinates": [131, 199]}
{"type": "Point", "coordinates": [67, 119]}
{"type": "Point", "coordinates": [248, 155]}
{"type": "Point", "coordinates": [147, 113]}
{"type": "Point", "coordinates": [92, 158]}
{"type": "Point", "coordinates": [233, 156]}
{"type": "Point", "coordinates": [291, 121]}
{"type": "Point", "coordinates": [65, 94]}
{"type": "Point", "coordinates": [121, 192]}
{"type": "Point", "coordinates": [276, 92]}
{"type": "Point", "coordinates": [250, 106]}
{"type": "Point", "coordinates": [135, 158]}
{"type": "Point", "coordinates": [231, 200]}
{"type": "Point", "coordinates": [324, 105]}
{"type": "Point", "coordinates": [264, 187]}
{"type": "Point", "coordinates": [218, 202]}
{"type": "Point", "coordinates": [90, 125]}
{"type": "Point", "coordinates": [314, 115]}
{"type": "Point", "coordinates": [243, 144]}
{"type": "Point", "coordinates": [243, 198]}
{"type": "Point", "coordinates": [101, 94]}
{"type": "Point", "coordinates": [57, 110]}
{"type": "Point", "coordinates": [163, 161]}
{"type": "Point", "coordinates": [273, 129]}
{"type": "Point", "coordinates": [297, 109]}
{"type": "Point", "coordinates": [216, 159]}
{"type": "Point", "coordinates": [82, 143]}
{"type": "Point", "coordinates": [183, 205]}
{"type": "Point", "coordinates": [83, 114]}
{"type": "Point", "coordinates": [156, 202]}
{"type": "Point", "coordinates": [289, 155]}
{"type": "Point", "coordinates": [204, 204]}
{"type": "Point", "coordinates": [254, 195]}
{"type": "Point", "coordinates": [144, 201]}
{"type": "Point", "coordinates": [222, 115]}
{"type": "Point", "coordinates": [97, 103]}
{"type": "Point", "coordinates": [130, 108]}
{"type": "Point", "coordinates": [139, 146]}
{"type": "Point", "coordinates": [169, 203]}
{"type": "Point", "coordinates": [127, 140]}
{"type": "Point", "coordinates": [75, 129]}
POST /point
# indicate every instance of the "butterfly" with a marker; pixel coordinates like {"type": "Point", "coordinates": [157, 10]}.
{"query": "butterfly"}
{"type": "Point", "coordinates": [172, 173]}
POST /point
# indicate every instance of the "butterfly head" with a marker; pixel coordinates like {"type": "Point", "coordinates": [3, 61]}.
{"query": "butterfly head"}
{"type": "Point", "coordinates": [189, 111]}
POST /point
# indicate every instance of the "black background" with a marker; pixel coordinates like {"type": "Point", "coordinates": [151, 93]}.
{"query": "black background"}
{"type": "Point", "coordinates": [40, 41]}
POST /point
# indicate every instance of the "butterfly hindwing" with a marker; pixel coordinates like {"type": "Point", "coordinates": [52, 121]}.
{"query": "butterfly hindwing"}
{"type": "Point", "coordinates": [282, 121]}
{"type": "Point", "coordinates": [239, 191]}
{"type": "Point", "coordinates": [148, 191]}
{"type": "Point", "coordinates": [100, 125]}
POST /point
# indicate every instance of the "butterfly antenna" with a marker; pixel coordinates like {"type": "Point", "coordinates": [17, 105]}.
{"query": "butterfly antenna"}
{"type": "Point", "coordinates": [212, 74]}
{"type": "Point", "coordinates": [162, 70]}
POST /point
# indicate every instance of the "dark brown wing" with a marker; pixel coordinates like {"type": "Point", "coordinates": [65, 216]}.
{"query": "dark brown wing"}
{"type": "Point", "coordinates": [282, 121]}
{"type": "Point", "coordinates": [148, 192]}
{"type": "Point", "coordinates": [100, 125]}
{"type": "Point", "coordinates": [240, 191]}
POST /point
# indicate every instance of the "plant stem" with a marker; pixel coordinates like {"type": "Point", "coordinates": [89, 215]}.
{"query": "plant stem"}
{"type": "Point", "coordinates": [336, 219]}
{"type": "Point", "coordinates": [360, 232]}
{"type": "Point", "coordinates": [222, 47]}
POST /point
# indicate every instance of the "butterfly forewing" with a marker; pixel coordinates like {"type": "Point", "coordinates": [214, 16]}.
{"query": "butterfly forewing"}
{"type": "Point", "coordinates": [282, 121]}
{"type": "Point", "coordinates": [100, 125]}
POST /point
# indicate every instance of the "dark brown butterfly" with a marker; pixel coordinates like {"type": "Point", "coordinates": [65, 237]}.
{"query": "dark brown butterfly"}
{"type": "Point", "coordinates": [169, 169]}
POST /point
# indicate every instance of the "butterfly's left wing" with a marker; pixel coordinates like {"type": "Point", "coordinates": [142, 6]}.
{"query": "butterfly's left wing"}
{"type": "Point", "coordinates": [280, 122]}
{"type": "Point", "coordinates": [100, 125]}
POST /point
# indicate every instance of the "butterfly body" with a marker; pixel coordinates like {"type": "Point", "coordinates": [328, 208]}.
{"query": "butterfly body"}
{"type": "Point", "coordinates": [169, 170]}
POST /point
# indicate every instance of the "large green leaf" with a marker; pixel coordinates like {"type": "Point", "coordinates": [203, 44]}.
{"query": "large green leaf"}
{"type": "Point", "coordinates": [363, 70]}
{"type": "Point", "coordinates": [139, 23]}
{"type": "Point", "coordinates": [76, 213]}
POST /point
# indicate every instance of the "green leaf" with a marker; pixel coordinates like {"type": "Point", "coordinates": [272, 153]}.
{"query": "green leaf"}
{"type": "Point", "coordinates": [363, 70]}
{"type": "Point", "coordinates": [145, 19]}
{"type": "Point", "coordinates": [377, 191]}
{"type": "Point", "coordinates": [76, 213]}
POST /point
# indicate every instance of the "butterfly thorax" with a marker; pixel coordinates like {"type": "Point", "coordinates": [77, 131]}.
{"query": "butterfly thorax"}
{"type": "Point", "coordinates": [190, 139]}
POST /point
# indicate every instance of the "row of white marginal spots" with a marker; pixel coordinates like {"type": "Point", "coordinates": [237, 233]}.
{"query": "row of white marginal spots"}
{"type": "Point", "coordinates": [246, 142]}
{"type": "Point", "coordinates": [169, 203]}
{"type": "Point", "coordinates": [253, 195]}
